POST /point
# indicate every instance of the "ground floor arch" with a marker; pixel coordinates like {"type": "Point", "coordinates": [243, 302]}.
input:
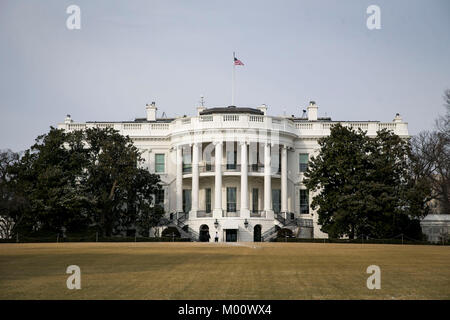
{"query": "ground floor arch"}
{"type": "Point", "coordinates": [204, 233]}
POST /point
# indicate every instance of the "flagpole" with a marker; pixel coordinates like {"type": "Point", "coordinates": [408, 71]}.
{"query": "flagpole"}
{"type": "Point", "coordinates": [232, 81]}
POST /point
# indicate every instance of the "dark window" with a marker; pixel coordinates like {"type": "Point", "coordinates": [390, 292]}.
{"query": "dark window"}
{"type": "Point", "coordinates": [208, 200]}
{"type": "Point", "coordinates": [255, 200]}
{"type": "Point", "coordinates": [186, 200]}
{"type": "Point", "coordinates": [276, 200]}
{"type": "Point", "coordinates": [231, 199]}
{"type": "Point", "coordinates": [159, 198]}
{"type": "Point", "coordinates": [304, 201]}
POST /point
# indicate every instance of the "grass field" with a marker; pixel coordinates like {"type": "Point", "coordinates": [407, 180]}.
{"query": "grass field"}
{"type": "Point", "coordinates": [223, 271]}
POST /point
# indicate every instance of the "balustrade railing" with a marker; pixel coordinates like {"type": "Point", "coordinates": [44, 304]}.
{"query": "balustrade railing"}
{"type": "Point", "coordinates": [187, 169]}
{"type": "Point", "coordinates": [231, 167]}
{"type": "Point", "coordinates": [257, 214]}
{"type": "Point", "coordinates": [256, 168]}
{"type": "Point", "coordinates": [231, 213]}
{"type": "Point", "coordinates": [204, 214]}
{"type": "Point", "coordinates": [306, 223]}
{"type": "Point", "coordinates": [235, 120]}
{"type": "Point", "coordinates": [206, 168]}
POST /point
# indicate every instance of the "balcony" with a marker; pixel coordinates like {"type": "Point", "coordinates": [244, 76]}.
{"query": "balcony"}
{"type": "Point", "coordinates": [231, 167]}
{"type": "Point", "coordinates": [256, 168]}
{"type": "Point", "coordinates": [206, 168]}
{"type": "Point", "coordinates": [306, 223]}
{"type": "Point", "coordinates": [187, 168]}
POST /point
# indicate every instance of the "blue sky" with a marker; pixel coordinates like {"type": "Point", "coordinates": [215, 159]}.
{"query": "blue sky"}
{"type": "Point", "coordinates": [129, 53]}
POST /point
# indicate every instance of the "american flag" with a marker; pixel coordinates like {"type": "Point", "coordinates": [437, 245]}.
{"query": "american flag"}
{"type": "Point", "coordinates": [237, 62]}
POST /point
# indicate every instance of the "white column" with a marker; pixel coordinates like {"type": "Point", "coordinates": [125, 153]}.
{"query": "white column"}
{"type": "Point", "coordinates": [267, 181]}
{"type": "Point", "coordinates": [284, 207]}
{"type": "Point", "coordinates": [218, 183]}
{"type": "Point", "coordinates": [194, 207]}
{"type": "Point", "coordinates": [179, 181]}
{"type": "Point", "coordinates": [244, 181]}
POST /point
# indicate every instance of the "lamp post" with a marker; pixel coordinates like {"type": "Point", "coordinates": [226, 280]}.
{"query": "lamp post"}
{"type": "Point", "coordinates": [216, 224]}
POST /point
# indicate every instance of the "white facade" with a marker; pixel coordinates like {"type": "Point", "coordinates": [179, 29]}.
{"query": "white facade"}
{"type": "Point", "coordinates": [436, 227]}
{"type": "Point", "coordinates": [234, 171]}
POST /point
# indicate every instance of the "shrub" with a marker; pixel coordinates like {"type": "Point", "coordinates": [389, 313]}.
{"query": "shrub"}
{"type": "Point", "coordinates": [284, 232]}
{"type": "Point", "coordinates": [170, 232]}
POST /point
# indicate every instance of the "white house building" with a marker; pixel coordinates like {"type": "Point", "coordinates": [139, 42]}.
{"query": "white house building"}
{"type": "Point", "coordinates": [436, 227]}
{"type": "Point", "coordinates": [234, 171]}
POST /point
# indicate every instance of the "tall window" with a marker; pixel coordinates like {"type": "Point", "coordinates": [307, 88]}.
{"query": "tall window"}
{"type": "Point", "coordinates": [255, 200]}
{"type": "Point", "coordinates": [187, 165]}
{"type": "Point", "coordinates": [303, 162]}
{"type": "Point", "coordinates": [253, 156]}
{"type": "Point", "coordinates": [159, 163]}
{"type": "Point", "coordinates": [279, 161]}
{"type": "Point", "coordinates": [231, 199]}
{"type": "Point", "coordinates": [231, 159]}
{"type": "Point", "coordinates": [304, 201]}
{"type": "Point", "coordinates": [186, 200]}
{"type": "Point", "coordinates": [208, 200]}
{"type": "Point", "coordinates": [159, 198]}
{"type": "Point", "coordinates": [275, 162]}
{"type": "Point", "coordinates": [208, 160]}
{"type": "Point", "coordinates": [276, 200]}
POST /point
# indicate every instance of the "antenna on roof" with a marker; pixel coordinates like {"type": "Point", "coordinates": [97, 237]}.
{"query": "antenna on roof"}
{"type": "Point", "coordinates": [164, 115]}
{"type": "Point", "coordinates": [202, 100]}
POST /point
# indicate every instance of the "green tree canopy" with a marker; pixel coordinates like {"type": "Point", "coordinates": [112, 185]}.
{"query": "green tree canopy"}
{"type": "Point", "coordinates": [362, 185]}
{"type": "Point", "coordinates": [73, 180]}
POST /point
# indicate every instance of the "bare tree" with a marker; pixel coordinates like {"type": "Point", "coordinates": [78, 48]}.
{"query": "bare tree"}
{"type": "Point", "coordinates": [8, 201]}
{"type": "Point", "coordinates": [431, 154]}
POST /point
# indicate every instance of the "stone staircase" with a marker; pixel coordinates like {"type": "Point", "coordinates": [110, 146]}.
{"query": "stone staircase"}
{"type": "Point", "coordinates": [286, 220]}
{"type": "Point", "coordinates": [178, 220]}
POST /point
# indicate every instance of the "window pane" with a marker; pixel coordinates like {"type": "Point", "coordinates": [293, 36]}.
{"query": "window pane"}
{"type": "Point", "coordinates": [304, 201]}
{"type": "Point", "coordinates": [231, 199]}
{"type": "Point", "coordinates": [159, 198]}
{"type": "Point", "coordinates": [275, 162]}
{"type": "Point", "coordinates": [276, 200]}
{"type": "Point", "coordinates": [159, 163]}
{"type": "Point", "coordinates": [186, 200]}
{"type": "Point", "coordinates": [187, 167]}
{"type": "Point", "coordinates": [303, 162]}
{"type": "Point", "coordinates": [208, 200]}
{"type": "Point", "coordinates": [231, 159]}
{"type": "Point", "coordinates": [255, 200]}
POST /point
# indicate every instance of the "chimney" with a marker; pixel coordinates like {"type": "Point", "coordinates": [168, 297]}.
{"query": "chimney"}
{"type": "Point", "coordinates": [68, 119]}
{"type": "Point", "coordinates": [397, 118]}
{"type": "Point", "coordinates": [312, 111]}
{"type": "Point", "coordinates": [200, 109]}
{"type": "Point", "coordinates": [262, 108]}
{"type": "Point", "coordinates": [151, 111]}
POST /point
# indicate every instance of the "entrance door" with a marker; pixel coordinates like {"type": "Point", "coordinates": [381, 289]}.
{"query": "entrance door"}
{"type": "Point", "coordinates": [257, 233]}
{"type": "Point", "coordinates": [204, 233]}
{"type": "Point", "coordinates": [231, 235]}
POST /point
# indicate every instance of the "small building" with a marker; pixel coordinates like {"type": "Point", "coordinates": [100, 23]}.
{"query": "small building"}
{"type": "Point", "coordinates": [436, 227]}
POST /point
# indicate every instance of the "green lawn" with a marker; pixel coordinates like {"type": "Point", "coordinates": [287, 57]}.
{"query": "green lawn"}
{"type": "Point", "coordinates": [222, 271]}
